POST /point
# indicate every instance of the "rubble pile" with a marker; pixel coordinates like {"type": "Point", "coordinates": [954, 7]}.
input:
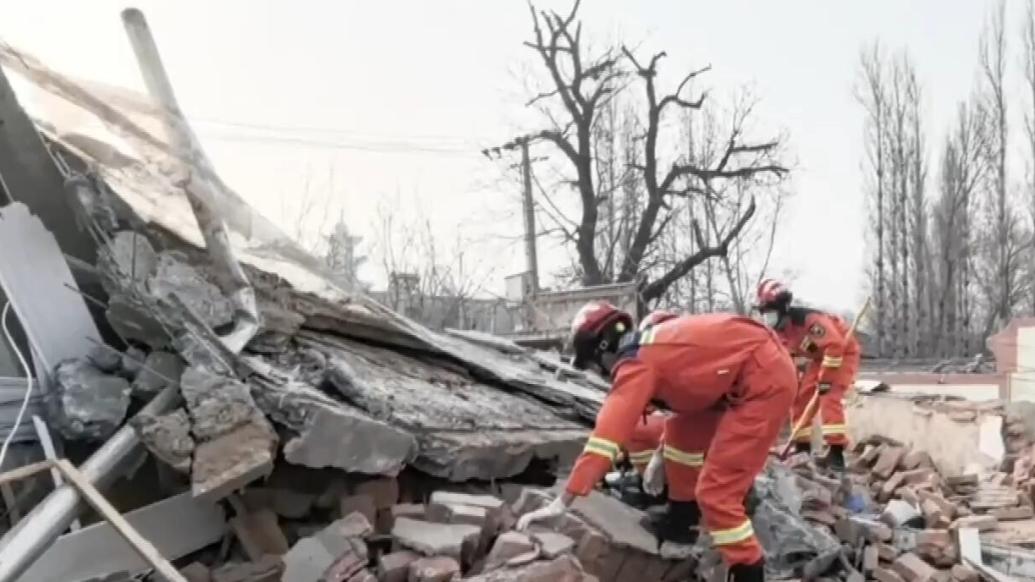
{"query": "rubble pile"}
{"type": "Point", "coordinates": [899, 520]}
{"type": "Point", "coordinates": [297, 528]}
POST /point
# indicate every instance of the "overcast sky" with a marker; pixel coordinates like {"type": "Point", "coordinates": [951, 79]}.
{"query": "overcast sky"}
{"type": "Point", "coordinates": [386, 104]}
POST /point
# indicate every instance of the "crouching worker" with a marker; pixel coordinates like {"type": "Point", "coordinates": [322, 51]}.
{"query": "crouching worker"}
{"type": "Point", "coordinates": [725, 372]}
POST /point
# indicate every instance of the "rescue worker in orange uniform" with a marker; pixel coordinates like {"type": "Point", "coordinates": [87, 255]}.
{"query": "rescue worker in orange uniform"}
{"type": "Point", "coordinates": [720, 371]}
{"type": "Point", "coordinates": [647, 436]}
{"type": "Point", "coordinates": [832, 365]}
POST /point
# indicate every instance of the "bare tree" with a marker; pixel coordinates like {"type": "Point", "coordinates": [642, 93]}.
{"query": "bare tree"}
{"type": "Point", "coordinates": [1028, 37]}
{"type": "Point", "coordinates": [581, 86]}
{"type": "Point", "coordinates": [871, 93]}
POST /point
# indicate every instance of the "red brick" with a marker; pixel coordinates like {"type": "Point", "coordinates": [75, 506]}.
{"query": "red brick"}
{"type": "Point", "coordinates": [260, 534]}
{"type": "Point", "coordinates": [363, 504]}
{"type": "Point", "coordinates": [916, 459]}
{"type": "Point", "coordinates": [964, 574]}
{"type": "Point", "coordinates": [384, 492]}
{"type": "Point", "coordinates": [395, 567]}
{"type": "Point", "coordinates": [912, 568]}
{"type": "Point", "coordinates": [886, 575]}
{"type": "Point", "coordinates": [888, 462]}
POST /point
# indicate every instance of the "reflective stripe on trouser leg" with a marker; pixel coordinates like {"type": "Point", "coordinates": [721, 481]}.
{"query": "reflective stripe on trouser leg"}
{"type": "Point", "coordinates": [832, 409]}
{"type": "Point", "coordinates": [640, 459]}
{"type": "Point", "coordinates": [807, 388]}
{"type": "Point", "coordinates": [740, 449]}
{"type": "Point", "coordinates": [687, 437]}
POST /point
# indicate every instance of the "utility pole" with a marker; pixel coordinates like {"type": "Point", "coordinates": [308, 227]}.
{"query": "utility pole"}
{"type": "Point", "coordinates": [531, 257]}
{"type": "Point", "coordinates": [528, 208]}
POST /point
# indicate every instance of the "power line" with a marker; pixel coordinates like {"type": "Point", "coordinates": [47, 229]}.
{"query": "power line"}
{"type": "Point", "coordinates": [384, 147]}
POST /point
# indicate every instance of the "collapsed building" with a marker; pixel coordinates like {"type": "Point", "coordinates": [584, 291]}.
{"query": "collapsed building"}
{"type": "Point", "coordinates": [254, 419]}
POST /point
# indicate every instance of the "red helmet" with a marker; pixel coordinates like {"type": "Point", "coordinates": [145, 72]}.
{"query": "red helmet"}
{"type": "Point", "coordinates": [655, 317]}
{"type": "Point", "coordinates": [589, 324]}
{"type": "Point", "coordinates": [772, 293]}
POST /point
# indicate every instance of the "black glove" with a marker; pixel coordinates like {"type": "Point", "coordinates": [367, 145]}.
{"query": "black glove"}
{"type": "Point", "coordinates": [824, 387]}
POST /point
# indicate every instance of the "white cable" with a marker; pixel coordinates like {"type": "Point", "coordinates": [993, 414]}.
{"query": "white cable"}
{"type": "Point", "coordinates": [28, 387]}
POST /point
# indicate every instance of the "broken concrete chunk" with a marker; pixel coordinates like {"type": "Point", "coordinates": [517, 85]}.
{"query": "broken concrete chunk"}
{"type": "Point", "coordinates": [217, 404]}
{"type": "Point", "coordinates": [174, 276]}
{"type": "Point", "coordinates": [231, 461]}
{"type": "Point", "coordinates": [912, 569]}
{"type": "Point", "coordinates": [167, 437]}
{"type": "Point", "coordinates": [508, 545]}
{"type": "Point", "coordinates": [552, 544]}
{"type": "Point", "coordinates": [128, 259]}
{"type": "Point", "coordinates": [160, 369]}
{"type": "Point", "coordinates": [395, 567]}
{"type": "Point", "coordinates": [333, 435]}
{"type": "Point", "coordinates": [468, 514]}
{"type": "Point", "coordinates": [325, 555]}
{"type": "Point", "coordinates": [260, 534]}
{"type": "Point", "coordinates": [432, 539]}
{"type": "Point", "coordinates": [105, 359]}
{"type": "Point", "coordinates": [489, 502]}
{"type": "Point", "coordinates": [563, 569]}
{"type": "Point", "coordinates": [131, 362]}
{"type": "Point", "coordinates": [86, 403]}
{"type": "Point", "coordinates": [434, 569]}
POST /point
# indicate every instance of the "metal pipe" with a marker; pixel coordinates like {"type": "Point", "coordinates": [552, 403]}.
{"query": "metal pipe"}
{"type": "Point", "coordinates": [24, 544]}
{"type": "Point", "coordinates": [200, 191]}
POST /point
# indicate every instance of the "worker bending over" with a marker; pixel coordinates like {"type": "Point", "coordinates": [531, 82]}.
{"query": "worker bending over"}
{"type": "Point", "coordinates": [833, 361]}
{"type": "Point", "coordinates": [723, 372]}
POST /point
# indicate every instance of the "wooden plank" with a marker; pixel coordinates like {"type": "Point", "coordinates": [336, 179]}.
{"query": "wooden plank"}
{"type": "Point", "coordinates": [39, 284]}
{"type": "Point", "coordinates": [24, 472]}
{"type": "Point", "coordinates": [177, 526]}
{"type": "Point", "coordinates": [131, 535]}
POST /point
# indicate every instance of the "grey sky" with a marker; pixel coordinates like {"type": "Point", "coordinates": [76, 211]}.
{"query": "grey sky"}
{"type": "Point", "coordinates": [409, 86]}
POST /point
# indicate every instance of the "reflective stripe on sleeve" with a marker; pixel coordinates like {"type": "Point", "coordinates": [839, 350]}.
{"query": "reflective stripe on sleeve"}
{"type": "Point", "coordinates": [603, 447]}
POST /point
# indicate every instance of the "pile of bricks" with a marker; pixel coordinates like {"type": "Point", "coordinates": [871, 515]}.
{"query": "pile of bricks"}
{"type": "Point", "coordinates": [898, 517]}
{"type": "Point", "coordinates": [396, 530]}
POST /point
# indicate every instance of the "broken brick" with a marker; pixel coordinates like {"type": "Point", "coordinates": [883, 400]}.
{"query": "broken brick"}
{"type": "Point", "coordinates": [888, 462]}
{"type": "Point", "coordinates": [871, 559]}
{"type": "Point", "coordinates": [936, 546]}
{"type": "Point", "coordinates": [886, 575]}
{"type": "Point", "coordinates": [1013, 513]}
{"type": "Point", "coordinates": [434, 569]}
{"type": "Point", "coordinates": [978, 522]}
{"type": "Point", "coordinates": [260, 534]}
{"type": "Point", "coordinates": [887, 552]}
{"type": "Point", "coordinates": [508, 545]}
{"type": "Point", "coordinates": [553, 544]}
{"type": "Point", "coordinates": [916, 459]}
{"type": "Point", "coordinates": [395, 567]}
{"type": "Point", "coordinates": [363, 504]}
{"type": "Point", "coordinates": [912, 568]}
{"type": "Point", "coordinates": [934, 517]}
{"type": "Point", "coordinates": [384, 492]}
{"type": "Point", "coordinates": [970, 480]}
{"type": "Point", "coordinates": [889, 486]}
{"type": "Point", "coordinates": [386, 517]}
{"type": "Point", "coordinates": [964, 573]}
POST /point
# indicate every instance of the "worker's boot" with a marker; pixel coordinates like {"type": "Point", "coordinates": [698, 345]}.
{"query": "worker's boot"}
{"type": "Point", "coordinates": [747, 572]}
{"type": "Point", "coordinates": [679, 524]}
{"type": "Point", "coordinates": [835, 460]}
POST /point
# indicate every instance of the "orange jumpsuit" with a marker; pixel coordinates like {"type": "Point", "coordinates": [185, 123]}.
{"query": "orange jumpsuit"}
{"type": "Point", "coordinates": [820, 337]}
{"type": "Point", "coordinates": [645, 439]}
{"type": "Point", "coordinates": [729, 384]}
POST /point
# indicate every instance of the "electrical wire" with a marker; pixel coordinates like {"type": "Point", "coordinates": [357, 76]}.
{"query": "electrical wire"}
{"type": "Point", "coordinates": [28, 384]}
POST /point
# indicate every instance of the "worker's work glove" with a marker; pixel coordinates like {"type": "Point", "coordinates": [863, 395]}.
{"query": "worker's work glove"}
{"type": "Point", "coordinates": [654, 474]}
{"type": "Point", "coordinates": [824, 387]}
{"type": "Point", "coordinates": [556, 508]}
